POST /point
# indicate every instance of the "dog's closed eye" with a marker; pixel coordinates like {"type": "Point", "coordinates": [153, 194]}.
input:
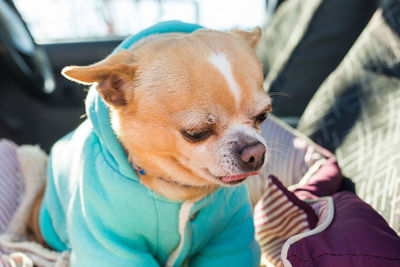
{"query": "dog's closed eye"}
{"type": "Point", "coordinates": [195, 136]}
{"type": "Point", "coordinates": [261, 117]}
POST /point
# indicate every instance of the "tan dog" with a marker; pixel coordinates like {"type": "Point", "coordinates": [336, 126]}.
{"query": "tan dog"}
{"type": "Point", "coordinates": [186, 108]}
{"type": "Point", "coordinates": [185, 112]}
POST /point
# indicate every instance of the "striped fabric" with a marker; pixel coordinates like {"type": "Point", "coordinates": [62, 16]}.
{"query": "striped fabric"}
{"type": "Point", "coordinates": [9, 182]}
{"type": "Point", "coordinates": [290, 157]}
{"type": "Point", "coordinates": [3, 262]}
{"type": "Point", "coordinates": [9, 186]}
{"type": "Point", "coordinates": [278, 215]}
{"type": "Point", "coordinates": [290, 154]}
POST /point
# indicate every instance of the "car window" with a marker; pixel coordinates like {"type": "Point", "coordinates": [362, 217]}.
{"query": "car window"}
{"type": "Point", "coordinates": [61, 20]}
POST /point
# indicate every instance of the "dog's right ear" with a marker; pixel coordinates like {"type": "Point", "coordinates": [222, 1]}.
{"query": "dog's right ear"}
{"type": "Point", "coordinates": [251, 37]}
{"type": "Point", "coordinates": [114, 76]}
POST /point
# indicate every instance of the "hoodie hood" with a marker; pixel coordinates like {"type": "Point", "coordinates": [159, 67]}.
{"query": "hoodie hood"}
{"type": "Point", "coordinates": [98, 113]}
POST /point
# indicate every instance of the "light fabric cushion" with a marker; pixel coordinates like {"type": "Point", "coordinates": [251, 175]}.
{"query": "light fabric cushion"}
{"type": "Point", "coordinates": [303, 43]}
{"type": "Point", "coordinates": [356, 114]}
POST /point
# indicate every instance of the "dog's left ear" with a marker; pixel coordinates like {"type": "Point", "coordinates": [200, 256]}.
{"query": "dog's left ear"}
{"type": "Point", "coordinates": [252, 37]}
{"type": "Point", "coordinates": [114, 77]}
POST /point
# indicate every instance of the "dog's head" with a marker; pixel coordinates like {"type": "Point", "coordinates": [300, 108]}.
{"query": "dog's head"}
{"type": "Point", "coordinates": [186, 107]}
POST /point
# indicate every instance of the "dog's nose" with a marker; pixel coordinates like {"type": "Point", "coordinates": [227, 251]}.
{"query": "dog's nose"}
{"type": "Point", "coordinates": [253, 155]}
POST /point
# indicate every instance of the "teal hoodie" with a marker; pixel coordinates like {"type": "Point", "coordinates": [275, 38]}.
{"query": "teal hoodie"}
{"type": "Point", "coordinates": [96, 207]}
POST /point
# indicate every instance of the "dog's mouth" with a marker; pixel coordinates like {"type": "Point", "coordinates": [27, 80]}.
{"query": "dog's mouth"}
{"type": "Point", "coordinates": [232, 179]}
{"type": "Point", "coordinates": [235, 179]}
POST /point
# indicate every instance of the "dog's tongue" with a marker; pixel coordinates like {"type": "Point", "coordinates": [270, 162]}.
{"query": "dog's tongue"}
{"type": "Point", "coordinates": [237, 177]}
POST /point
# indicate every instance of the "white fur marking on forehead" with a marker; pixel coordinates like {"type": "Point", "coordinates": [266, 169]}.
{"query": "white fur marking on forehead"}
{"type": "Point", "coordinates": [220, 61]}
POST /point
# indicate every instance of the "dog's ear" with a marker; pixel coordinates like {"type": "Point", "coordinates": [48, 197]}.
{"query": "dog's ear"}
{"type": "Point", "coordinates": [113, 75]}
{"type": "Point", "coordinates": [252, 37]}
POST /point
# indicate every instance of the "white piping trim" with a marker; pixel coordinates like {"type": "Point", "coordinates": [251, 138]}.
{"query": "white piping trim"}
{"type": "Point", "coordinates": [316, 230]}
{"type": "Point", "coordinates": [306, 177]}
{"type": "Point", "coordinates": [184, 214]}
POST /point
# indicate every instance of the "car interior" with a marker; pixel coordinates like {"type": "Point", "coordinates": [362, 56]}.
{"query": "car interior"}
{"type": "Point", "coordinates": [39, 105]}
{"type": "Point", "coordinates": [332, 68]}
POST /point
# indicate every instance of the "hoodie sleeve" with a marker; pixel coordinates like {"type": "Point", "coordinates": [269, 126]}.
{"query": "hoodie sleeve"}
{"type": "Point", "coordinates": [92, 247]}
{"type": "Point", "coordinates": [99, 237]}
{"type": "Point", "coordinates": [234, 245]}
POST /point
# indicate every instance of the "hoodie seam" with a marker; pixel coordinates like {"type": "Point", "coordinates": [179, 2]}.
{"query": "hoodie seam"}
{"type": "Point", "coordinates": [157, 224]}
{"type": "Point", "coordinates": [105, 157]}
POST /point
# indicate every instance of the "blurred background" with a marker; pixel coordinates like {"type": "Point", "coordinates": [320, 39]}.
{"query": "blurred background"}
{"type": "Point", "coordinates": [38, 38]}
{"type": "Point", "coordinates": [72, 20]}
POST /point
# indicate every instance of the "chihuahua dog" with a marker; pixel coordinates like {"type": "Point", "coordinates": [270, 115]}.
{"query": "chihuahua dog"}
{"type": "Point", "coordinates": [155, 175]}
